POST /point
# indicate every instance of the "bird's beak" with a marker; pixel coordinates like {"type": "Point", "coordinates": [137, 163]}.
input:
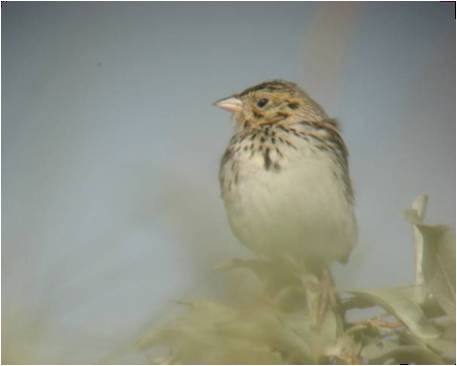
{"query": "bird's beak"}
{"type": "Point", "coordinates": [231, 104]}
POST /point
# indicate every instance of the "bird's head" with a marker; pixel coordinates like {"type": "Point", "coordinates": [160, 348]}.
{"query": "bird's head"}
{"type": "Point", "coordinates": [271, 102]}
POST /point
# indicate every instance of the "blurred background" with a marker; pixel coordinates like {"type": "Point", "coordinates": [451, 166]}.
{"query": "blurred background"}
{"type": "Point", "coordinates": [110, 150]}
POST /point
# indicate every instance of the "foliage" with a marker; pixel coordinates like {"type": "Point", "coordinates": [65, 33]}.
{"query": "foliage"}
{"type": "Point", "coordinates": [293, 321]}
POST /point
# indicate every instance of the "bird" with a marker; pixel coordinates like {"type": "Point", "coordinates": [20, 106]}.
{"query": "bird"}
{"type": "Point", "coordinates": [284, 177]}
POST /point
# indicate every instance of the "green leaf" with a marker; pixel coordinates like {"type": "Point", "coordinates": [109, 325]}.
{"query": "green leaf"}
{"type": "Point", "coordinates": [445, 347]}
{"type": "Point", "coordinates": [404, 308]}
{"type": "Point", "coordinates": [290, 298]}
{"type": "Point", "coordinates": [408, 355]}
{"type": "Point", "coordinates": [377, 348]}
{"type": "Point", "coordinates": [415, 215]}
{"type": "Point", "coordinates": [439, 264]}
{"type": "Point", "coordinates": [435, 257]}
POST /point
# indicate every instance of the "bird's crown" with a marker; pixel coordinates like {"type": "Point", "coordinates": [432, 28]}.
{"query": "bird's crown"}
{"type": "Point", "coordinates": [274, 101]}
{"type": "Point", "coordinates": [273, 86]}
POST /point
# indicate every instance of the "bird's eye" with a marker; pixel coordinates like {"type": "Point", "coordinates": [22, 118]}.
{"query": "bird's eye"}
{"type": "Point", "coordinates": [293, 105]}
{"type": "Point", "coordinates": [262, 102]}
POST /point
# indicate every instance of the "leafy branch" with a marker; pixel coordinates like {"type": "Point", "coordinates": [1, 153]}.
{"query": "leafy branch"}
{"type": "Point", "coordinates": [285, 325]}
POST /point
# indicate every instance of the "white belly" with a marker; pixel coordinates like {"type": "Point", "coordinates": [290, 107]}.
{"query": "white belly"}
{"type": "Point", "coordinates": [300, 210]}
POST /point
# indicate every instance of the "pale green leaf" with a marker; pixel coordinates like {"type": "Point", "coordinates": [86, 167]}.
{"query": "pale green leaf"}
{"type": "Point", "coordinates": [439, 264]}
{"type": "Point", "coordinates": [416, 214]}
{"type": "Point", "coordinates": [409, 355]}
{"type": "Point", "coordinates": [404, 308]}
{"type": "Point", "coordinates": [376, 348]}
{"type": "Point", "coordinates": [445, 347]}
{"type": "Point", "coordinates": [412, 216]}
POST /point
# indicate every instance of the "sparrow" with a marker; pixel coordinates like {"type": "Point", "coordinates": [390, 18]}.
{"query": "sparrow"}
{"type": "Point", "coordinates": [284, 177]}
